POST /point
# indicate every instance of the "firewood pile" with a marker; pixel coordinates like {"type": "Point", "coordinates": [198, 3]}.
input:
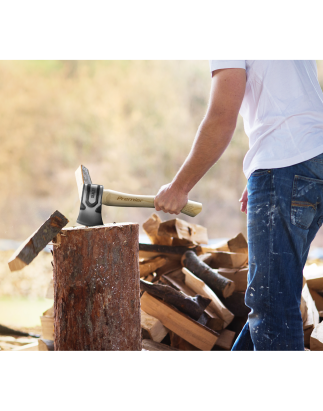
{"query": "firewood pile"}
{"type": "Point", "coordinates": [192, 295]}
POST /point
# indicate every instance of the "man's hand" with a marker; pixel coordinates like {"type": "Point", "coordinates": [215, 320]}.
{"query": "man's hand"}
{"type": "Point", "coordinates": [244, 200]}
{"type": "Point", "coordinates": [170, 199]}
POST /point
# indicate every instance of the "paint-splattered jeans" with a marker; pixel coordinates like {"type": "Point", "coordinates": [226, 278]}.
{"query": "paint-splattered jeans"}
{"type": "Point", "coordinates": [285, 211]}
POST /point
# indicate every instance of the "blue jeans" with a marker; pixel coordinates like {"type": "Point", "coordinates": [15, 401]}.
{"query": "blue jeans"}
{"type": "Point", "coordinates": [285, 211]}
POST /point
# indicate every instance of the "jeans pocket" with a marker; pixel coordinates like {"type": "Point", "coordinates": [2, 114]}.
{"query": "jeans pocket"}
{"type": "Point", "coordinates": [304, 201]}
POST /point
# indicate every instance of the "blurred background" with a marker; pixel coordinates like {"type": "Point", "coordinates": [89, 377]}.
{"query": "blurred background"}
{"type": "Point", "coordinates": [131, 123]}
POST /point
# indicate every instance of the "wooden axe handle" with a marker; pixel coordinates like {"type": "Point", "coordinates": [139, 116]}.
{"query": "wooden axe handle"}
{"type": "Point", "coordinates": [115, 198]}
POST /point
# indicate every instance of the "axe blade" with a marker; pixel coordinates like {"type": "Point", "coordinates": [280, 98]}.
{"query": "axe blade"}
{"type": "Point", "coordinates": [91, 205]}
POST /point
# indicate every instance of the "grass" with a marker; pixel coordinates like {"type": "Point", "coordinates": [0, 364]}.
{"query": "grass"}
{"type": "Point", "coordinates": [21, 311]}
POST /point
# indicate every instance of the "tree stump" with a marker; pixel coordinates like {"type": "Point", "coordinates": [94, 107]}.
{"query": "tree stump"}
{"type": "Point", "coordinates": [97, 289]}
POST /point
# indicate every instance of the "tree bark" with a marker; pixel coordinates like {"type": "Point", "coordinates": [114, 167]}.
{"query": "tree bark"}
{"type": "Point", "coordinates": [219, 284]}
{"type": "Point", "coordinates": [96, 289]}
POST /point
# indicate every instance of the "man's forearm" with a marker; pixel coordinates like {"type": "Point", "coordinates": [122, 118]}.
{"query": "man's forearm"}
{"type": "Point", "coordinates": [211, 140]}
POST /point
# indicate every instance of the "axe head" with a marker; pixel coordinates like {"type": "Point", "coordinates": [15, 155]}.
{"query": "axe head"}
{"type": "Point", "coordinates": [91, 205]}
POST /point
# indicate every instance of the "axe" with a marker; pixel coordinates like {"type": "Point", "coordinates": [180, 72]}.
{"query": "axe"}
{"type": "Point", "coordinates": [92, 196]}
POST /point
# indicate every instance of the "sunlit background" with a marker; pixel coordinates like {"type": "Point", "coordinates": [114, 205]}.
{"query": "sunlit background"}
{"type": "Point", "coordinates": [131, 123]}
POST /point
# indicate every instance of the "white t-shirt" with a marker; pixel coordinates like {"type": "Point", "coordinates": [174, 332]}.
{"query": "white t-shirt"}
{"type": "Point", "coordinates": [282, 111]}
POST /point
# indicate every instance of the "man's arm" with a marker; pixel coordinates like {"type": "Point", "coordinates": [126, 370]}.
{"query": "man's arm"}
{"type": "Point", "coordinates": [212, 138]}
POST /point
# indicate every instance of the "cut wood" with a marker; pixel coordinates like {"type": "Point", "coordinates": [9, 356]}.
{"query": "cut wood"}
{"type": "Point", "coordinates": [151, 229]}
{"type": "Point", "coordinates": [45, 345]}
{"type": "Point", "coordinates": [30, 248]}
{"type": "Point", "coordinates": [169, 267]}
{"type": "Point", "coordinates": [316, 340]}
{"type": "Point", "coordinates": [318, 299]}
{"type": "Point", "coordinates": [177, 280]}
{"type": "Point", "coordinates": [238, 244]}
{"type": "Point", "coordinates": [96, 289]}
{"type": "Point", "coordinates": [312, 315]}
{"type": "Point", "coordinates": [225, 340]}
{"type": "Point", "coordinates": [49, 312]}
{"type": "Point", "coordinates": [155, 250]}
{"type": "Point", "coordinates": [149, 266]}
{"type": "Point", "coordinates": [313, 274]}
{"type": "Point", "coordinates": [206, 258]}
{"type": "Point", "coordinates": [153, 327]}
{"type": "Point", "coordinates": [217, 283]}
{"type": "Point", "coordinates": [183, 242]}
{"type": "Point", "coordinates": [28, 347]}
{"type": "Point", "coordinates": [235, 303]}
{"type": "Point", "coordinates": [193, 332]}
{"type": "Point", "coordinates": [227, 259]}
{"type": "Point", "coordinates": [197, 285]}
{"type": "Point", "coordinates": [238, 276]}
{"type": "Point", "coordinates": [149, 345]}
{"type": "Point", "coordinates": [178, 342]}
{"type": "Point", "coordinates": [47, 325]}
{"type": "Point", "coordinates": [192, 306]}
{"type": "Point", "coordinates": [303, 308]}
{"type": "Point", "coordinates": [181, 229]}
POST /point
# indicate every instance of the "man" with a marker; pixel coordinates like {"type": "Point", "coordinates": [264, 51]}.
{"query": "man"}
{"type": "Point", "coordinates": [281, 103]}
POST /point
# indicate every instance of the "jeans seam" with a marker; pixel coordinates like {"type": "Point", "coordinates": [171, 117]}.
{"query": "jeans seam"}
{"type": "Point", "coordinates": [271, 239]}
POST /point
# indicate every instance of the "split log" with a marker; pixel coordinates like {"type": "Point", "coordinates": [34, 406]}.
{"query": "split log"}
{"type": "Point", "coordinates": [217, 283]}
{"type": "Point", "coordinates": [30, 248]}
{"type": "Point", "coordinates": [169, 267]}
{"type": "Point", "coordinates": [316, 340]}
{"type": "Point", "coordinates": [200, 287]}
{"type": "Point", "coordinates": [312, 315]}
{"type": "Point", "coordinates": [225, 340]}
{"type": "Point", "coordinates": [96, 289]}
{"type": "Point", "coordinates": [238, 276]}
{"type": "Point", "coordinates": [237, 324]}
{"type": "Point", "coordinates": [181, 229]}
{"type": "Point", "coordinates": [227, 259]}
{"type": "Point", "coordinates": [178, 342]}
{"type": "Point", "coordinates": [28, 347]}
{"type": "Point", "coordinates": [149, 345]}
{"type": "Point", "coordinates": [154, 250]}
{"type": "Point", "coordinates": [149, 266]}
{"type": "Point", "coordinates": [45, 345]}
{"type": "Point", "coordinates": [47, 324]}
{"type": "Point", "coordinates": [187, 328]}
{"type": "Point", "coordinates": [206, 258]}
{"type": "Point", "coordinates": [181, 241]}
{"type": "Point", "coordinates": [314, 276]}
{"type": "Point", "coordinates": [238, 244]}
{"type": "Point", "coordinates": [235, 303]}
{"type": "Point", "coordinates": [152, 327]}
{"type": "Point", "coordinates": [192, 306]}
{"type": "Point", "coordinates": [318, 299]}
{"type": "Point", "coordinates": [177, 280]}
{"type": "Point", "coordinates": [151, 229]}
{"type": "Point", "coordinates": [303, 308]}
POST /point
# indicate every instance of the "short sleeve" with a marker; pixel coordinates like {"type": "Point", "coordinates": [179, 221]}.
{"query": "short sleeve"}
{"type": "Point", "coordinates": [223, 64]}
